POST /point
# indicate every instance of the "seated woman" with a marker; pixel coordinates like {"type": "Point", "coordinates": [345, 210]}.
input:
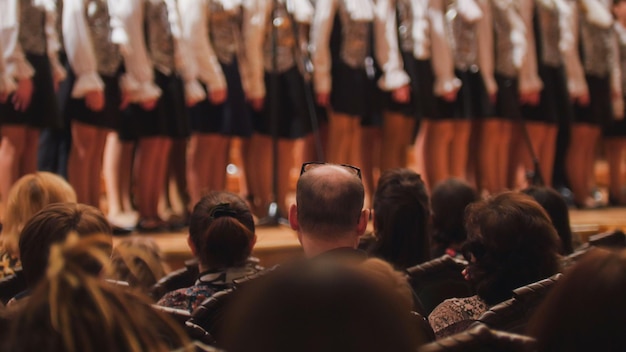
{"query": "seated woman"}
{"type": "Point", "coordinates": [221, 235]}
{"type": "Point", "coordinates": [554, 204]}
{"type": "Point", "coordinates": [52, 225]}
{"type": "Point", "coordinates": [585, 309]}
{"type": "Point", "coordinates": [137, 261]}
{"type": "Point", "coordinates": [511, 243]}
{"type": "Point", "coordinates": [71, 309]}
{"type": "Point", "coordinates": [401, 214]}
{"type": "Point", "coordinates": [448, 202]}
{"type": "Point", "coordinates": [28, 195]}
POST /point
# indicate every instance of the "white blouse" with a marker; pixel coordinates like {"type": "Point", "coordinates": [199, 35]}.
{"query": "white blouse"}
{"type": "Point", "coordinates": [195, 33]}
{"type": "Point", "coordinates": [138, 81]}
{"type": "Point", "coordinates": [14, 65]}
{"type": "Point", "coordinates": [255, 20]}
{"type": "Point", "coordinates": [359, 10]}
{"type": "Point", "coordinates": [529, 80]}
{"type": "Point", "coordinates": [430, 43]}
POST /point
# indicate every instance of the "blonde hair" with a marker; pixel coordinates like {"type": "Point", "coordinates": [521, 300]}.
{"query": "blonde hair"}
{"type": "Point", "coordinates": [389, 278]}
{"type": "Point", "coordinates": [74, 310]}
{"type": "Point", "coordinates": [137, 260]}
{"type": "Point", "coordinates": [27, 196]}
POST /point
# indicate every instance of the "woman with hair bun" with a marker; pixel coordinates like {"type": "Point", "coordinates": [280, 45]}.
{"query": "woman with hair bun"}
{"type": "Point", "coordinates": [221, 235]}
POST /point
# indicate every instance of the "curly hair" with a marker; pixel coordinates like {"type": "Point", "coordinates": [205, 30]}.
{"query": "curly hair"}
{"type": "Point", "coordinates": [511, 243]}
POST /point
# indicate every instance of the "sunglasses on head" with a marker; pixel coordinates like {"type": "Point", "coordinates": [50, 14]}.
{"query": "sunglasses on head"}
{"type": "Point", "coordinates": [315, 164]}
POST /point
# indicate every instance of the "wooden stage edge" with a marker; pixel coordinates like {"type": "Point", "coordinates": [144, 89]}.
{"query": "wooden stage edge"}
{"type": "Point", "coordinates": [279, 244]}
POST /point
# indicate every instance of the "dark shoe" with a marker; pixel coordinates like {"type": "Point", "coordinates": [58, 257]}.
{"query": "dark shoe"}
{"type": "Point", "coordinates": [121, 231]}
{"type": "Point", "coordinates": [152, 226]}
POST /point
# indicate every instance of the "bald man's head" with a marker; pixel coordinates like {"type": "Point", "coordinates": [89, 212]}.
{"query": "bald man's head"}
{"type": "Point", "coordinates": [329, 200]}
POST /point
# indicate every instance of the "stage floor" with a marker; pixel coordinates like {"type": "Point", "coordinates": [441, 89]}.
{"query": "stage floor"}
{"type": "Point", "coordinates": [280, 243]}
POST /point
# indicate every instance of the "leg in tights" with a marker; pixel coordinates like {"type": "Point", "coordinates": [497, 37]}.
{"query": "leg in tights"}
{"type": "Point", "coordinates": [369, 144]}
{"type": "Point", "coordinates": [396, 137]}
{"type": "Point", "coordinates": [342, 132]}
{"type": "Point", "coordinates": [11, 151]}
{"type": "Point", "coordinates": [492, 163]}
{"type": "Point", "coordinates": [85, 163]}
{"type": "Point", "coordinates": [460, 150]}
{"type": "Point", "coordinates": [578, 162]}
{"type": "Point", "coordinates": [437, 151]}
{"type": "Point", "coordinates": [614, 147]}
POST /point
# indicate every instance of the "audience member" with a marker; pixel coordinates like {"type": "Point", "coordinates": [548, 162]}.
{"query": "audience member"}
{"type": "Point", "coordinates": [401, 215]}
{"type": "Point", "coordinates": [318, 306]}
{"type": "Point", "coordinates": [556, 207]}
{"type": "Point", "coordinates": [137, 260]}
{"type": "Point", "coordinates": [27, 196]}
{"type": "Point", "coordinates": [448, 202]}
{"type": "Point", "coordinates": [328, 215]}
{"type": "Point", "coordinates": [52, 225]}
{"type": "Point", "coordinates": [394, 280]}
{"type": "Point", "coordinates": [511, 243]}
{"type": "Point", "coordinates": [585, 310]}
{"type": "Point", "coordinates": [221, 235]}
{"type": "Point", "coordinates": [73, 310]}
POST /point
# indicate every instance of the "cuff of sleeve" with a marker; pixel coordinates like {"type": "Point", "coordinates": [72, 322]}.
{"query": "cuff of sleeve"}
{"type": "Point", "coordinates": [491, 86]}
{"type": "Point", "coordinates": [147, 91]}
{"type": "Point", "coordinates": [530, 86]}
{"type": "Point", "coordinates": [577, 90]}
{"type": "Point", "coordinates": [445, 86]}
{"type": "Point", "coordinates": [215, 85]}
{"type": "Point", "coordinates": [23, 70]}
{"type": "Point", "coordinates": [393, 80]}
{"type": "Point", "coordinates": [7, 84]}
{"type": "Point", "coordinates": [58, 71]}
{"type": "Point", "coordinates": [194, 92]}
{"type": "Point", "coordinates": [85, 83]}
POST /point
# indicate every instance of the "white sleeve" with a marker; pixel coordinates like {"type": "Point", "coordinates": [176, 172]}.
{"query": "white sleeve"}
{"type": "Point", "coordinates": [320, 44]}
{"type": "Point", "coordinates": [79, 49]}
{"type": "Point", "coordinates": [442, 58]}
{"type": "Point", "coordinates": [484, 35]}
{"type": "Point", "coordinates": [53, 42]}
{"type": "Point", "coordinates": [138, 80]}
{"type": "Point", "coordinates": [570, 36]}
{"type": "Point", "coordinates": [195, 30]}
{"type": "Point", "coordinates": [17, 66]}
{"type": "Point", "coordinates": [387, 50]}
{"type": "Point", "coordinates": [184, 60]}
{"type": "Point", "coordinates": [529, 80]}
{"type": "Point", "coordinates": [118, 11]}
{"type": "Point", "coordinates": [254, 27]}
{"type": "Point", "coordinates": [7, 83]}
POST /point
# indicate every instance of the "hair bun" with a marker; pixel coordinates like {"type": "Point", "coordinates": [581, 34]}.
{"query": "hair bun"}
{"type": "Point", "coordinates": [221, 210]}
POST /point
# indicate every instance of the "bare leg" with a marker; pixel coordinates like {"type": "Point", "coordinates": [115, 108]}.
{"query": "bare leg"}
{"type": "Point", "coordinates": [614, 148]}
{"type": "Point", "coordinates": [341, 134]}
{"type": "Point", "coordinates": [577, 163]}
{"type": "Point", "coordinates": [488, 155]}
{"type": "Point", "coordinates": [369, 145]}
{"type": "Point", "coordinates": [503, 153]}
{"type": "Point", "coordinates": [150, 176]}
{"type": "Point", "coordinates": [548, 152]}
{"type": "Point", "coordinates": [95, 168]}
{"type": "Point", "coordinates": [111, 170]}
{"type": "Point", "coordinates": [263, 170]}
{"type": "Point", "coordinates": [126, 164]}
{"type": "Point", "coordinates": [418, 149]}
{"type": "Point", "coordinates": [216, 166]}
{"type": "Point", "coordinates": [396, 137]}
{"type": "Point", "coordinates": [11, 150]}
{"type": "Point", "coordinates": [285, 165]}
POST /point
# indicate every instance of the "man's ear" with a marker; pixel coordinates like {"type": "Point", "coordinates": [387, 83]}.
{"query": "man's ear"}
{"type": "Point", "coordinates": [192, 246]}
{"type": "Point", "coordinates": [293, 218]}
{"type": "Point", "coordinates": [363, 220]}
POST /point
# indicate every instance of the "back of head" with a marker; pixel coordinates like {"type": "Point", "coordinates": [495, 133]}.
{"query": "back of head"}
{"type": "Point", "coordinates": [401, 214]}
{"type": "Point", "coordinates": [222, 230]}
{"type": "Point", "coordinates": [555, 206]}
{"type": "Point", "coordinates": [448, 202]}
{"type": "Point", "coordinates": [72, 310]}
{"type": "Point", "coordinates": [329, 201]}
{"type": "Point", "coordinates": [27, 196]}
{"type": "Point", "coordinates": [317, 306]}
{"type": "Point", "coordinates": [137, 260]}
{"type": "Point", "coordinates": [585, 309]}
{"type": "Point", "coordinates": [512, 243]}
{"type": "Point", "coordinates": [52, 225]}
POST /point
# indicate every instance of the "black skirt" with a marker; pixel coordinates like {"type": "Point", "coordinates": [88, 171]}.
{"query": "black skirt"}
{"type": "Point", "coordinates": [600, 110]}
{"type": "Point", "coordinates": [233, 117]}
{"type": "Point", "coordinates": [109, 117]}
{"type": "Point", "coordinates": [554, 97]}
{"type": "Point", "coordinates": [507, 100]}
{"type": "Point", "coordinates": [292, 117]}
{"type": "Point", "coordinates": [472, 100]}
{"type": "Point", "coordinates": [351, 90]}
{"type": "Point", "coordinates": [168, 118]}
{"type": "Point", "coordinates": [43, 111]}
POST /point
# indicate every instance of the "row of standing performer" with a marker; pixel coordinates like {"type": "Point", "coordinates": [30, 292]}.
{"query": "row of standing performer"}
{"type": "Point", "coordinates": [185, 76]}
